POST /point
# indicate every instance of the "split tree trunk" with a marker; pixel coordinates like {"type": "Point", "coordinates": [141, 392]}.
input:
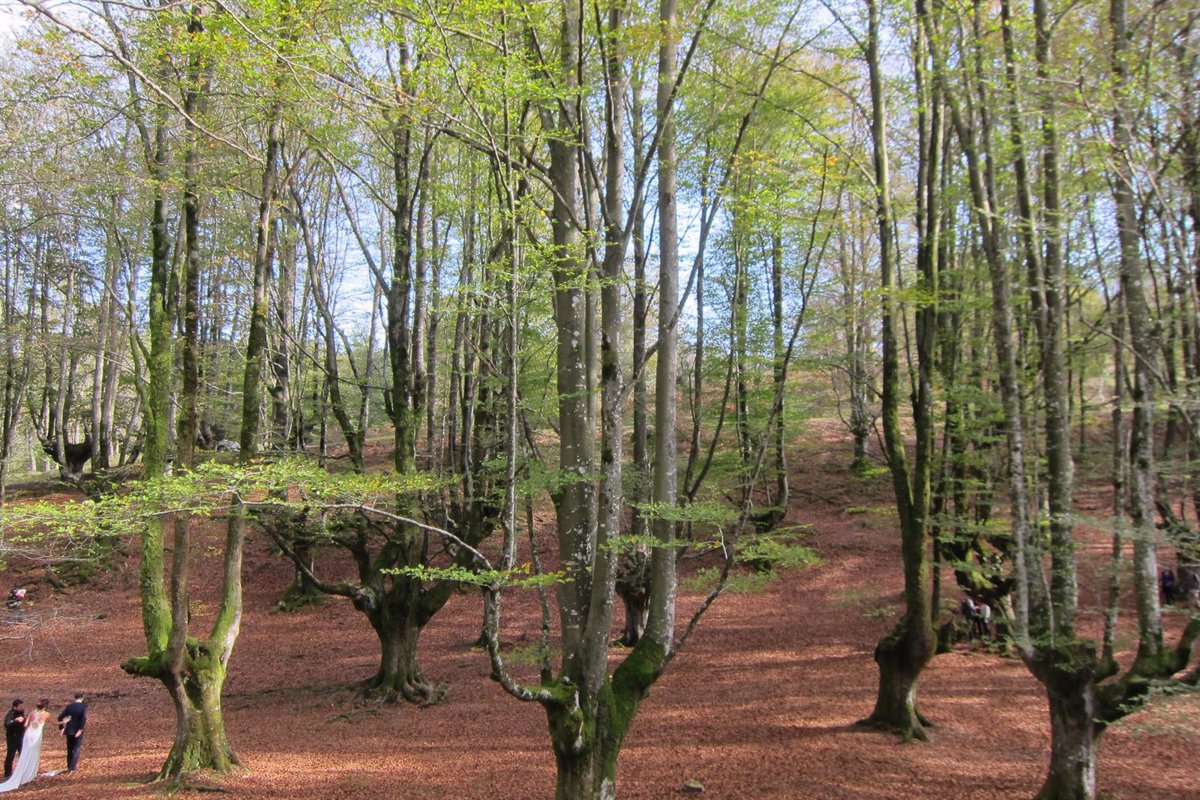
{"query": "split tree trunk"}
{"type": "Point", "coordinates": [200, 738]}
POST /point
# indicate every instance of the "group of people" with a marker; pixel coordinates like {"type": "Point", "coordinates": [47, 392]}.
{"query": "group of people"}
{"type": "Point", "coordinates": [979, 619]}
{"type": "Point", "coordinates": [23, 733]}
{"type": "Point", "coordinates": [1191, 582]}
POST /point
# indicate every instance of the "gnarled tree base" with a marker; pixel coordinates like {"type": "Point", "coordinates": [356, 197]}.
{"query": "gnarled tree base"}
{"type": "Point", "coordinates": [901, 656]}
{"type": "Point", "coordinates": [417, 690]}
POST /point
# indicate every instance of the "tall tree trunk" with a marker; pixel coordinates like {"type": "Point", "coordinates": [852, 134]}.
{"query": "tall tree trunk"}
{"type": "Point", "coordinates": [282, 368]}
{"type": "Point", "coordinates": [779, 373]}
{"type": "Point", "coordinates": [975, 139]}
{"type": "Point", "coordinates": [903, 653]}
{"type": "Point", "coordinates": [354, 436]}
{"type": "Point", "coordinates": [113, 367]}
{"type": "Point", "coordinates": [612, 379]}
{"type": "Point", "coordinates": [159, 617]}
{"type": "Point", "coordinates": [575, 504]}
{"type": "Point", "coordinates": [855, 327]}
{"type": "Point", "coordinates": [17, 370]}
{"type": "Point", "coordinates": [432, 437]}
{"type": "Point", "coordinates": [194, 672]}
{"type": "Point", "coordinates": [1134, 280]}
{"type": "Point", "coordinates": [398, 312]}
{"type": "Point", "coordinates": [633, 583]}
{"type": "Point", "coordinates": [420, 313]}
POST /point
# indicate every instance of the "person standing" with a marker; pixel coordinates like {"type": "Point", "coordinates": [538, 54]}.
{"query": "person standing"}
{"type": "Point", "coordinates": [31, 749]}
{"type": "Point", "coordinates": [983, 621]}
{"type": "Point", "coordinates": [1167, 581]}
{"type": "Point", "coordinates": [72, 721]}
{"type": "Point", "coordinates": [14, 731]}
{"type": "Point", "coordinates": [967, 607]}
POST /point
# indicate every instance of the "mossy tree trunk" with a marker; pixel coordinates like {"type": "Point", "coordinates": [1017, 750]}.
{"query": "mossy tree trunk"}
{"type": "Point", "coordinates": [901, 656]}
{"type": "Point", "coordinates": [903, 653]}
{"type": "Point", "coordinates": [200, 738]}
{"type": "Point", "coordinates": [588, 728]}
{"type": "Point", "coordinates": [399, 671]}
{"type": "Point", "coordinates": [193, 671]}
{"type": "Point", "coordinates": [1069, 673]}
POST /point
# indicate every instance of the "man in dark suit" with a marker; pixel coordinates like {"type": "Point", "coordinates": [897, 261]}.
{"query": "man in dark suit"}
{"type": "Point", "coordinates": [14, 732]}
{"type": "Point", "coordinates": [71, 722]}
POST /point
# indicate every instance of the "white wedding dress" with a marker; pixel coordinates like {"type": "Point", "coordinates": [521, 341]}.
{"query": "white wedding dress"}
{"type": "Point", "coordinates": [31, 756]}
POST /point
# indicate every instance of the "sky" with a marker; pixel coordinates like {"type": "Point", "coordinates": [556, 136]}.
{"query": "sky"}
{"type": "Point", "coordinates": [10, 18]}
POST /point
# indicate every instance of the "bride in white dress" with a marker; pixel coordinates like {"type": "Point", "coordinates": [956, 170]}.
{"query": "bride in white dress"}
{"type": "Point", "coordinates": [31, 749]}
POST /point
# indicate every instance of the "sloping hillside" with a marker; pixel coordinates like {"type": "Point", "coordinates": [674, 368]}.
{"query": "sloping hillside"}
{"type": "Point", "coordinates": [760, 705]}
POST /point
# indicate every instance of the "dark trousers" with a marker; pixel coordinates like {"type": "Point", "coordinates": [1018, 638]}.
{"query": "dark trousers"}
{"type": "Point", "coordinates": [74, 745]}
{"type": "Point", "coordinates": [14, 747]}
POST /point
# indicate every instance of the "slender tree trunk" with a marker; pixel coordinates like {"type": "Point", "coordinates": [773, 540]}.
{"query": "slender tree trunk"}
{"type": "Point", "coordinates": [113, 367]}
{"type": "Point", "coordinates": [575, 503]}
{"type": "Point", "coordinates": [633, 583]}
{"type": "Point", "coordinates": [1134, 280]}
{"type": "Point", "coordinates": [903, 653]}
{"type": "Point", "coordinates": [612, 379]}
{"type": "Point", "coordinates": [420, 312]}
{"type": "Point", "coordinates": [354, 436]}
{"type": "Point", "coordinates": [1120, 483]}
{"type": "Point", "coordinates": [779, 373]}
{"type": "Point", "coordinates": [432, 437]}
{"type": "Point", "coordinates": [282, 368]}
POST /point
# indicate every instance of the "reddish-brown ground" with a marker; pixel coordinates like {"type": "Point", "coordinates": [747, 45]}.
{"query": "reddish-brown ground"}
{"type": "Point", "coordinates": [759, 705]}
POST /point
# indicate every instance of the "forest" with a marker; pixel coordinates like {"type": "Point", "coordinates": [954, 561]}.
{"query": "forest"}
{"type": "Point", "coordinates": [562, 339]}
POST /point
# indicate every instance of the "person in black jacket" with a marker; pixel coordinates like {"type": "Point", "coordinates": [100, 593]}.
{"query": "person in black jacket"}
{"type": "Point", "coordinates": [14, 732]}
{"type": "Point", "coordinates": [71, 722]}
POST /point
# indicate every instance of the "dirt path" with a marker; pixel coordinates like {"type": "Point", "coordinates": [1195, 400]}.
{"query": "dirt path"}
{"type": "Point", "coordinates": [759, 706]}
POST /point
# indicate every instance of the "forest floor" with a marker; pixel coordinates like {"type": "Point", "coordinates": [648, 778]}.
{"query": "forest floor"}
{"type": "Point", "coordinates": [759, 705]}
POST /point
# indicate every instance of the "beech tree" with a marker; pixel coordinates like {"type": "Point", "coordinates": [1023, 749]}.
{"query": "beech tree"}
{"type": "Point", "coordinates": [490, 242]}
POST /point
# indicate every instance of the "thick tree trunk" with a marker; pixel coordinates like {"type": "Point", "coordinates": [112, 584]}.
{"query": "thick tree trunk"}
{"type": "Point", "coordinates": [399, 630]}
{"type": "Point", "coordinates": [587, 734]}
{"type": "Point", "coordinates": [1072, 773]}
{"type": "Point", "coordinates": [1069, 678]}
{"type": "Point", "coordinates": [398, 668]}
{"type": "Point", "coordinates": [633, 587]}
{"type": "Point", "coordinates": [587, 775]}
{"type": "Point", "coordinates": [901, 656]}
{"type": "Point", "coordinates": [200, 739]}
